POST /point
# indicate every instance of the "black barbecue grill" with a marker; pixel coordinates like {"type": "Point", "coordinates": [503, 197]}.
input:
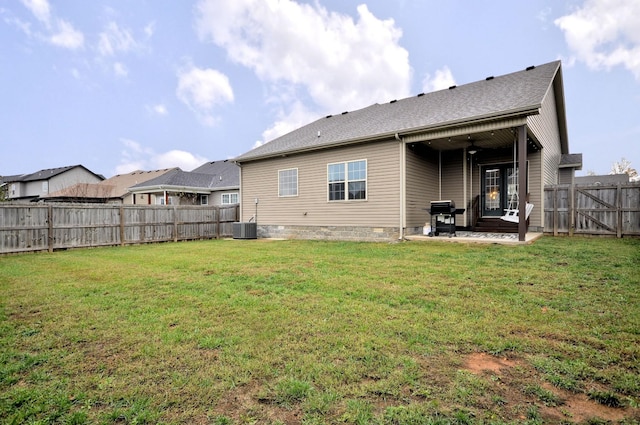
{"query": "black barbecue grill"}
{"type": "Point", "coordinates": [443, 217]}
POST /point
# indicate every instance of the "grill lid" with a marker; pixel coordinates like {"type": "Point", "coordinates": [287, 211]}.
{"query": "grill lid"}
{"type": "Point", "coordinates": [442, 207]}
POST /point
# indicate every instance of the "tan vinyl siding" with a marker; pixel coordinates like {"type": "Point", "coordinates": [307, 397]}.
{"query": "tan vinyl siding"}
{"type": "Point", "coordinates": [565, 176]}
{"type": "Point", "coordinates": [421, 187]}
{"type": "Point", "coordinates": [311, 207]}
{"type": "Point", "coordinates": [453, 177]}
{"type": "Point", "coordinates": [545, 128]}
{"type": "Point", "coordinates": [536, 188]}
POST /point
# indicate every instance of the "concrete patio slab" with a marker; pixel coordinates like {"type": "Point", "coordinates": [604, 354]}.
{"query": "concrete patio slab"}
{"type": "Point", "coordinates": [478, 237]}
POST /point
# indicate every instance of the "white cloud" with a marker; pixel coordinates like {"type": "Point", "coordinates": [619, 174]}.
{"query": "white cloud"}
{"type": "Point", "coordinates": [40, 9]}
{"type": "Point", "coordinates": [149, 29]}
{"type": "Point", "coordinates": [115, 39]}
{"type": "Point", "coordinates": [120, 70]}
{"type": "Point", "coordinates": [442, 79]}
{"type": "Point", "coordinates": [604, 34]}
{"type": "Point", "coordinates": [67, 36]}
{"type": "Point", "coordinates": [297, 116]}
{"type": "Point", "coordinates": [543, 16]}
{"type": "Point", "coordinates": [62, 34]}
{"type": "Point", "coordinates": [135, 156]}
{"type": "Point", "coordinates": [23, 26]}
{"type": "Point", "coordinates": [159, 109]}
{"type": "Point", "coordinates": [340, 63]}
{"type": "Point", "coordinates": [203, 89]}
{"type": "Point", "coordinates": [178, 158]}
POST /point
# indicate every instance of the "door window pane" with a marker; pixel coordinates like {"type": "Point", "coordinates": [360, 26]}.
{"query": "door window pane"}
{"type": "Point", "coordinates": [492, 189]}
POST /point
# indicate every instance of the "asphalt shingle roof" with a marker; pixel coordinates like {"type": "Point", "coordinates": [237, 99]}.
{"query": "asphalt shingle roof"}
{"type": "Point", "coordinates": [44, 174]}
{"type": "Point", "coordinates": [571, 160]}
{"type": "Point", "coordinates": [512, 93]}
{"type": "Point", "coordinates": [224, 178]}
{"type": "Point", "coordinates": [228, 172]}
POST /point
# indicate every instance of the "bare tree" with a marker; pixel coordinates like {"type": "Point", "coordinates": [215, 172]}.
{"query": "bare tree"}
{"type": "Point", "coordinates": [624, 167]}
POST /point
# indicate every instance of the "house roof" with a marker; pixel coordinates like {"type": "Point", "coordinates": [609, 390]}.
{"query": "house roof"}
{"type": "Point", "coordinates": [227, 171]}
{"type": "Point", "coordinates": [517, 94]}
{"type": "Point", "coordinates": [122, 182]}
{"type": "Point", "coordinates": [45, 174]}
{"type": "Point", "coordinates": [111, 188]}
{"type": "Point", "coordinates": [602, 179]}
{"type": "Point", "coordinates": [81, 191]}
{"type": "Point", "coordinates": [571, 160]}
{"type": "Point", "coordinates": [8, 179]}
{"type": "Point", "coordinates": [186, 181]}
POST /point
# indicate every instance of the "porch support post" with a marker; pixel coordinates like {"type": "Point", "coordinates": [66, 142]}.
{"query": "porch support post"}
{"type": "Point", "coordinates": [522, 182]}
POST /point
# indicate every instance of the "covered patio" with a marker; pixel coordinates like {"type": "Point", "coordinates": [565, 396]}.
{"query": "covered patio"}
{"type": "Point", "coordinates": [478, 167]}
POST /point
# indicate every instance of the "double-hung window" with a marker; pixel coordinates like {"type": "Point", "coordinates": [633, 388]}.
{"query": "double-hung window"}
{"type": "Point", "coordinates": [347, 180]}
{"type": "Point", "coordinates": [229, 198]}
{"type": "Point", "coordinates": [288, 182]}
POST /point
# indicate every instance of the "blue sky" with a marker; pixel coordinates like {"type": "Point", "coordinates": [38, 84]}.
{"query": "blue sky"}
{"type": "Point", "coordinates": [120, 85]}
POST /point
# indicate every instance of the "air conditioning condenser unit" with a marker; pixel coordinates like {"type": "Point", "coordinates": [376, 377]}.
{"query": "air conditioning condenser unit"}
{"type": "Point", "coordinates": [245, 231]}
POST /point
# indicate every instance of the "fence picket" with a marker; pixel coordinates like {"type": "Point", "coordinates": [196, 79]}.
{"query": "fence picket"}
{"type": "Point", "coordinates": [38, 227]}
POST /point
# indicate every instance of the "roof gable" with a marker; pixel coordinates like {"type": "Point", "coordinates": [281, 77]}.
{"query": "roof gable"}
{"type": "Point", "coordinates": [518, 93]}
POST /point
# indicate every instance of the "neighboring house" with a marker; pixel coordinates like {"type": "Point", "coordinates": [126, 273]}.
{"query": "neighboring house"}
{"type": "Point", "coordinates": [38, 185]}
{"type": "Point", "coordinates": [604, 179]}
{"type": "Point", "coordinates": [113, 190]}
{"type": "Point", "coordinates": [213, 183]}
{"type": "Point", "coordinates": [371, 174]}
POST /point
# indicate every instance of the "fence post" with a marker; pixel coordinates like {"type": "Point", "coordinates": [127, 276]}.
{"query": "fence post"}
{"type": "Point", "coordinates": [50, 227]}
{"type": "Point", "coordinates": [555, 211]}
{"type": "Point", "coordinates": [175, 224]}
{"type": "Point", "coordinates": [572, 206]}
{"type": "Point", "coordinates": [121, 225]}
{"type": "Point", "coordinates": [619, 211]}
{"type": "Point", "coordinates": [216, 211]}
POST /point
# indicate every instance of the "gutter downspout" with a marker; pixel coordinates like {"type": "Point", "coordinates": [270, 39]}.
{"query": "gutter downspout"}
{"type": "Point", "coordinates": [240, 190]}
{"type": "Point", "coordinates": [403, 185]}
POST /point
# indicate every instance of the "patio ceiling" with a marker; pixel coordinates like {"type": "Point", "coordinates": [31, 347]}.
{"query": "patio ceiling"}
{"type": "Point", "coordinates": [494, 139]}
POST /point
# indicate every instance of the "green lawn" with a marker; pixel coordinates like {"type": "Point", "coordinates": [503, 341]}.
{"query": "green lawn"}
{"type": "Point", "coordinates": [313, 332]}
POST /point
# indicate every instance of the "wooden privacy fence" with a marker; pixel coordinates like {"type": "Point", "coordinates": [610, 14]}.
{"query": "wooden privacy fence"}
{"type": "Point", "coordinates": [39, 227]}
{"type": "Point", "coordinates": [594, 210]}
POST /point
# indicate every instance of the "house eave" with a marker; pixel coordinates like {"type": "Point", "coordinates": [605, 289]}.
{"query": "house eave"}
{"type": "Point", "coordinates": [171, 188]}
{"type": "Point", "coordinates": [515, 113]}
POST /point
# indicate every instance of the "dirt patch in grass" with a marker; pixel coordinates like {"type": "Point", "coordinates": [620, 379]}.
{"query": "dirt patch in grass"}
{"type": "Point", "coordinates": [480, 362]}
{"type": "Point", "coordinates": [245, 404]}
{"type": "Point", "coordinates": [554, 404]}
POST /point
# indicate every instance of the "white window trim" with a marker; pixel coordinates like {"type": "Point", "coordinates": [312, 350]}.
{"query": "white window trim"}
{"type": "Point", "coordinates": [204, 199]}
{"type": "Point", "coordinates": [346, 181]}
{"type": "Point", "coordinates": [229, 194]}
{"type": "Point", "coordinates": [297, 183]}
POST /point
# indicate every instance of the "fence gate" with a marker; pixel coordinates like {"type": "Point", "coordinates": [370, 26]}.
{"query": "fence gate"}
{"type": "Point", "coordinates": [597, 210]}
